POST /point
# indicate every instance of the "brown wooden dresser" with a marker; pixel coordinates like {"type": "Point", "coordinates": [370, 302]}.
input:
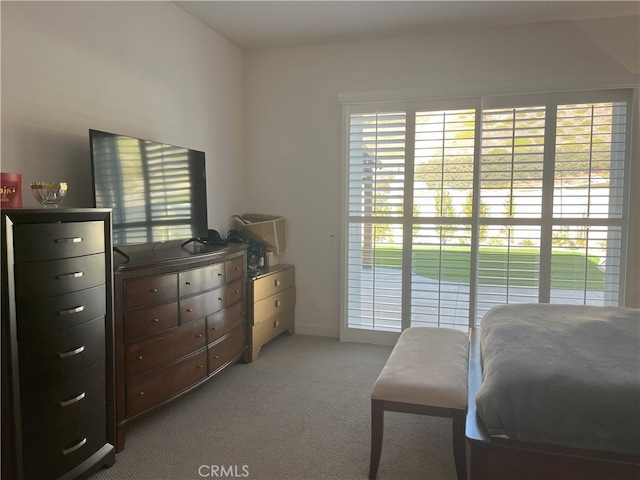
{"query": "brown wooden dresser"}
{"type": "Point", "coordinates": [272, 300]}
{"type": "Point", "coordinates": [180, 319]}
{"type": "Point", "coordinates": [57, 343]}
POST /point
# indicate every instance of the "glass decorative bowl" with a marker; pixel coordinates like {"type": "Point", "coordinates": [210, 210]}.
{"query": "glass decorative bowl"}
{"type": "Point", "coordinates": [49, 194]}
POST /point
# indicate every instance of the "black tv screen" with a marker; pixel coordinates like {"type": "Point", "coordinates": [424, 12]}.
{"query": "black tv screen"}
{"type": "Point", "coordinates": [157, 191]}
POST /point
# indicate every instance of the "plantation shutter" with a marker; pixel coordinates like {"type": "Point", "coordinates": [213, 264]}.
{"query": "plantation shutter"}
{"type": "Point", "coordinates": [451, 211]}
{"type": "Point", "coordinates": [511, 193]}
{"type": "Point", "coordinates": [443, 205]}
{"type": "Point", "coordinates": [375, 209]}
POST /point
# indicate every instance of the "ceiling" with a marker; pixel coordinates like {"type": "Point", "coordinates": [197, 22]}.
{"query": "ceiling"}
{"type": "Point", "coordinates": [272, 24]}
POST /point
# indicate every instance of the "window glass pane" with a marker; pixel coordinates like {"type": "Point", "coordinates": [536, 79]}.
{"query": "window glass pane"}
{"type": "Point", "coordinates": [589, 165]}
{"type": "Point", "coordinates": [444, 148]}
{"type": "Point", "coordinates": [512, 161]}
{"type": "Point", "coordinates": [376, 164]}
{"type": "Point", "coordinates": [440, 280]}
{"type": "Point", "coordinates": [508, 266]}
{"type": "Point", "coordinates": [374, 276]}
{"type": "Point", "coordinates": [585, 265]}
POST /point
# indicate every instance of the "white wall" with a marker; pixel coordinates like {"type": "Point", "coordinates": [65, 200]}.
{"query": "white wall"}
{"type": "Point", "coordinates": [145, 69]}
{"type": "Point", "coordinates": [293, 118]}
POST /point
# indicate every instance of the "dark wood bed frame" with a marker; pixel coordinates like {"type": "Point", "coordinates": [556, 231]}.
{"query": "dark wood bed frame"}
{"type": "Point", "coordinates": [492, 459]}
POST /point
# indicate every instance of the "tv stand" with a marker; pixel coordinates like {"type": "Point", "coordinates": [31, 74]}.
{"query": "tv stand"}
{"type": "Point", "coordinates": [180, 320]}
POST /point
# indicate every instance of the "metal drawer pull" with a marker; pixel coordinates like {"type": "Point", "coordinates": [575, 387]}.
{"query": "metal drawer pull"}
{"type": "Point", "coordinates": [276, 324]}
{"type": "Point", "coordinates": [154, 290]}
{"type": "Point", "coordinates": [189, 310]}
{"type": "Point", "coordinates": [220, 274]}
{"type": "Point", "coordinates": [70, 275]}
{"type": "Point", "coordinates": [277, 283]}
{"type": "Point", "coordinates": [199, 335]}
{"type": "Point", "coordinates": [187, 283]}
{"type": "Point", "coordinates": [69, 450]}
{"type": "Point", "coordinates": [71, 353]}
{"type": "Point", "coordinates": [69, 311]}
{"type": "Point", "coordinates": [69, 240]}
{"type": "Point", "coordinates": [73, 400]}
{"type": "Point", "coordinates": [278, 303]}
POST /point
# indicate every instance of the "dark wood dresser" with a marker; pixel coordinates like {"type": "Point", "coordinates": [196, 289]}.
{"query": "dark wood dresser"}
{"type": "Point", "coordinates": [180, 320]}
{"type": "Point", "coordinates": [272, 300]}
{"type": "Point", "coordinates": [58, 415]}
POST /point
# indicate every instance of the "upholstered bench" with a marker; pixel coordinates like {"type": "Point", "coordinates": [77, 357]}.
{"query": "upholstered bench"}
{"type": "Point", "coordinates": [426, 373]}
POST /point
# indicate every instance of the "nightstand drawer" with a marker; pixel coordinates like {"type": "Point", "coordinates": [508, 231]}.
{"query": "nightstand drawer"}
{"type": "Point", "coordinates": [224, 321]}
{"type": "Point", "coordinates": [64, 352]}
{"type": "Point", "coordinates": [139, 292]}
{"type": "Point", "coordinates": [235, 268]}
{"type": "Point", "coordinates": [274, 304]}
{"type": "Point", "coordinates": [201, 279]}
{"type": "Point", "coordinates": [272, 283]}
{"type": "Point", "coordinates": [57, 240]}
{"type": "Point", "coordinates": [268, 328]}
{"type": "Point", "coordinates": [58, 452]}
{"type": "Point", "coordinates": [226, 350]}
{"type": "Point", "coordinates": [57, 277]}
{"type": "Point", "coordinates": [155, 387]}
{"type": "Point", "coordinates": [52, 405]}
{"type": "Point", "coordinates": [199, 306]}
{"type": "Point", "coordinates": [149, 321]}
{"type": "Point", "coordinates": [59, 312]}
{"type": "Point", "coordinates": [156, 351]}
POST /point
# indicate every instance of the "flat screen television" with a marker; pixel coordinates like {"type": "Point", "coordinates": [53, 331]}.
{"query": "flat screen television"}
{"type": "Point", "coordinates": [157, 191]}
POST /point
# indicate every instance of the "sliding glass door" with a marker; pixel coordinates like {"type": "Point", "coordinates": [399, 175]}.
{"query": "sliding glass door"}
{"type": "Point", "coordinates": [458, 206]}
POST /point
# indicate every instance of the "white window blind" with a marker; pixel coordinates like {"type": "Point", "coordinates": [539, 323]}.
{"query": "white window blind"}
{"type": "Point", "coordinates": [452, 211]}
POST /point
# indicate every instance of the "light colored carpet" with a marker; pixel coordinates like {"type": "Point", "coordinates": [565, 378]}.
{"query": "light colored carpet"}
{"type": "Point", "coordinates": [301, 411]}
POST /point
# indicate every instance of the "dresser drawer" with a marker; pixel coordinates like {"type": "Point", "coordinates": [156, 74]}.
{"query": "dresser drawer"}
{"type": "Point", "coordinates": [57, 452]}
{"type": "Point", "coordinates": [139, 292]}
{"type": "Point", "coordinates": [59, 312]}
{"type": "Point", "coordinates": [270, 284]}
{"type": "Point", "coordinates": [56, 277]}
{"type": "Point", "coordinates": [51, 405]}
{"type": "Point", "coordinates": [201, 279]}
{"type": "Point", "coordinates": [269, 328]}
{"type": "Point", "coordinates": [35, 242]}
{"type": "Point", "coordinates": [63, 352]}
{"type": "Point", "coordinates": [153, 388]}
{"type": "Point", "coordinates": [161, 349]}
{"type": "Point", "coordinates": [235, 268]}
{"type": "Point", "coordinates": [149, 321]}
{"type": "Point", "coordinates": [199, 306]}
{"type": "Point", "coordinates": [234, 292]}
{"type": "Point", "coordinates": [223, 322]}
{"type": "Point", "coordinates": [226, 350]}
{"type": "Point", "coordinates": [273, 305]}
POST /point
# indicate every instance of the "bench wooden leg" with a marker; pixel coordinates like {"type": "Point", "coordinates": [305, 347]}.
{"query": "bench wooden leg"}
{"type": "Point", "coordinates": [459, 440]}
{"type": "Point", "coordinates": [377, 429]}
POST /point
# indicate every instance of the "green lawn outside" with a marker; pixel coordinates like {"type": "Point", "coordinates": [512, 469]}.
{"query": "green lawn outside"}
{"type": "Point", "coordinates": [569, 270]}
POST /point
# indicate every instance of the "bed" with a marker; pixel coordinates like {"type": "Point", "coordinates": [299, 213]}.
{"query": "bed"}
{"type": "Point", "coordinates": [554, 392]}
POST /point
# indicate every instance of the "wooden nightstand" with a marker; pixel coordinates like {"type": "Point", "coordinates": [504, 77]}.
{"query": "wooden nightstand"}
{"type": "Point", "coordinates": [272, 299]}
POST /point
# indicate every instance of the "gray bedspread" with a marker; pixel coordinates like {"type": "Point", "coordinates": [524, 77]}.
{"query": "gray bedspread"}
{"type": "Point", "coordinates": [562, 375]}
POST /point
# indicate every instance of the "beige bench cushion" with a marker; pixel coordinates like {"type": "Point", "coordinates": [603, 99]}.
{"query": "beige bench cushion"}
{"type": "Point", "coordinates": [428, 366]}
